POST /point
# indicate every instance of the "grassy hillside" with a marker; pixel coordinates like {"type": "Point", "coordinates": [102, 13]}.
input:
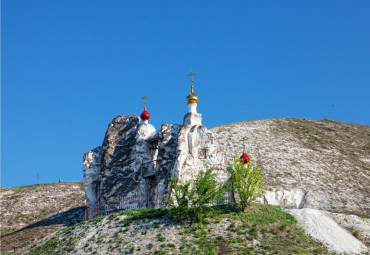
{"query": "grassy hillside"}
{"type": "Point", "coordinates": [29, 213]}
{"type": "Point", "coordinates": [263, 229]}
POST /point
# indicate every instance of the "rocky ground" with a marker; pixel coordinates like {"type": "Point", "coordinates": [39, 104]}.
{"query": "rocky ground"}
{"type": "Point", "coordinates": [263, 229]}
{"type": "Point", "coordinates": [29, 213]}
{"type": "Point", "coordinates": [329, 160]}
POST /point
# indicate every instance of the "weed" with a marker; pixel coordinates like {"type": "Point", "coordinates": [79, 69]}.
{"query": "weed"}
{"type": "Point", "coordinates": [253, 232]}
{"type": "Point", "coordinates": [233, 240]}
{"type": "Point", "coordinates": [160, 238]}
{"type": "Point", "coordinates": [231, 227]}
{"type": "Point", "coordinates": [159, 252]}
{"type": "Point", "coordinates": [273, 231]}
{"type": "Point", "coordinates": [366, 147]}
{"type": "Point", "coordinates": [282, 227]}
{"type": "Point", "coordinates": [116, 234]}
{"type": "Point", "coordinates": [200, 234]}
{"type": "Point", "coordinates": [355, 234]}
{"type": "Point", "coordinates": [132, 249]}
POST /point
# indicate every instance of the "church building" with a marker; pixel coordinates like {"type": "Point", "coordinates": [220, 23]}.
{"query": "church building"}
{"type": "Point", "coordinates": [134, 165]}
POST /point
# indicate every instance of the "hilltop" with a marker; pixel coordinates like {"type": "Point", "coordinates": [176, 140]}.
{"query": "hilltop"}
{"type": "Point", "coordinates": [263, 229]}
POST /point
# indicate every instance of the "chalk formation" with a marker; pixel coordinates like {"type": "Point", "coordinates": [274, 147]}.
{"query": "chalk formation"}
{"type": "Point", "coordinates": [136, 161]}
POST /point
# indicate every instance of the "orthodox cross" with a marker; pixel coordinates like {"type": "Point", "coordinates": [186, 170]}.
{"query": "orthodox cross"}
{"type": "Point", "coordinates": [191, 74]}
{"type": "Point", "coordinates": [244, 138]}
{"type": "Point", "coordinates": [144, 98]}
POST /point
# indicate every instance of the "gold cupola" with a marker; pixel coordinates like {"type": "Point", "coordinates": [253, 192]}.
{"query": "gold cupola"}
{"type": "Point", "coordinates": [192, 97]}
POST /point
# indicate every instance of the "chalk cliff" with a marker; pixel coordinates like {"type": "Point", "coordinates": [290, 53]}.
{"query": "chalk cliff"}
{"type": "Point", "coordinates": [135, 162]}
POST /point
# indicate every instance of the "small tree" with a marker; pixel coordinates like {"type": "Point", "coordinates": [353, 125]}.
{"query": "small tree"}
{"type": "Point", "coordinates": [180, 198]}
{"type": "Point", "coordinates": [207, 191]}
{"type": "Point", "coordinates": [246, 182]}
{"type": "Point", "coordinates": [193, 198]}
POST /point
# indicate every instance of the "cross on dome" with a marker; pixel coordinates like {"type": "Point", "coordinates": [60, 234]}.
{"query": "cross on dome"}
{"type": "Point", "coordinates": [144, 98]}
{"type": "Point", "coordinates": [145, 116]}
{"type": "Point", "coordinates": [192, 98]}
{"type": "Point", "coordinates": [192, 74]}
{"type": "Point", "coordinates": [244, 156]}
{"type": "Point", "coordinates": [243, 140]}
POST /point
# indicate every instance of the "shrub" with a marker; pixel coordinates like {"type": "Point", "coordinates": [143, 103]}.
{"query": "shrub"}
{"type": "Point", "coordinates": [193, 198]}
{"type": "Point", "coordinates": [246, 182]}
{"type": "Point", "coordinates": [179, 199]}
{"type": "Point", "coordinates": [207, 190]}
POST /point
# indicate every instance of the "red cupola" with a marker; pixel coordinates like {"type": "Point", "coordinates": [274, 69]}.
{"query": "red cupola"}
{"type": "Point", "coordinates": [245, 158]}
{"type": "Point", "coordinates": [145, 115]}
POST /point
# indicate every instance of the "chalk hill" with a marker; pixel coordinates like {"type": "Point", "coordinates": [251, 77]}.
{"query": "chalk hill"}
{"type": "Point", "coordinates": [29, 213]}
{"type": "Point", "coordinates": [329, 161]}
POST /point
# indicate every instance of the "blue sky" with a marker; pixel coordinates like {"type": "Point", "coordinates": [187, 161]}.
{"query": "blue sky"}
{"type": "Point", "coordinates": [69, 67]}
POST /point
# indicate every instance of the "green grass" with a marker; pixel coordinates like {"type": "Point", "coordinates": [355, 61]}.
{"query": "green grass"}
{"type": "Point", "coordinates": [366, 147]}
{"type": "Point", "coordinates": [355, 234]}
{"type": "Point", "coordinates": [284, 237]}
{"type": "Point", "coordinates": [277, 232]}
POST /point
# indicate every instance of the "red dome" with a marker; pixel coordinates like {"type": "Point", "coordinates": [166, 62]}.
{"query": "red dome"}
{"type": "Point", "coordinates": [145, 115]}
{"type": "Point", "coordinates": [245, 158]}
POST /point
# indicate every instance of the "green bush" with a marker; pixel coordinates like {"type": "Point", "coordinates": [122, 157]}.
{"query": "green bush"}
{"type": "Point", "coordinates": [246, 182]}
{"type": "Point", "coordinates": [192, 199]}
{"type": "Point", "coordinates": [179, 199]}
{"type": "Point", "coordinates": [207, 191]}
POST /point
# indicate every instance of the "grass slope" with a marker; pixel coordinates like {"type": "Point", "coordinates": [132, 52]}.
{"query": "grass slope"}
{"type": "Point", "coordinates": [29, 213]}
{"type": "Point", "coordinates": [263, 229]}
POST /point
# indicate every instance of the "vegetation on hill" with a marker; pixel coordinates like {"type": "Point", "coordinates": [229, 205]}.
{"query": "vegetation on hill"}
{"type": "Point", "coordinates": [261, 229]}
{"type": "Point", "coordinates": [29, 213]}
{"type": "Point", "coordinates": [307, 154]}
{"type": "Point", "coordinates": [191, 198]}
{"type": "Point", "coordinates": [246, 182]}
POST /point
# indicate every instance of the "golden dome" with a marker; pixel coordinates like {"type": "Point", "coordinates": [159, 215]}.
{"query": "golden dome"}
{"type": "Point", "coordinates": [192, 97]}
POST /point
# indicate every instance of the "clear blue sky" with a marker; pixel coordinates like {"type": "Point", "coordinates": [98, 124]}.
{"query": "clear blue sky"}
{"type": "Point", "coordinates": [69, 67]}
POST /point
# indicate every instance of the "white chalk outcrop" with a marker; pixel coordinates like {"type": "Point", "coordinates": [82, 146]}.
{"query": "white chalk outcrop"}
{"type": "Point", "coordinates": [135, 162]}
{"type": "Point", "coordinates": [293, 198]}
{"type": "Point", "coordinates": [327, 231]}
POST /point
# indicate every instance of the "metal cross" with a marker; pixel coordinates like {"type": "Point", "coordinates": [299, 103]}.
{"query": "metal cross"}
{"type": "Point", "coordinates": [191, 74]}
{"type": "Point", "coordinates": [145, 98]}
{"type": "Point", "coordinates": [244, 138]}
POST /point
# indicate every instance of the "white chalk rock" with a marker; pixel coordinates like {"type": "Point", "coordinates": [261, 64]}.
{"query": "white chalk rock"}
{"type": "Point", "coordinates": [293, 198]}
{"type": "Point", "coordinates": [325, 230]}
